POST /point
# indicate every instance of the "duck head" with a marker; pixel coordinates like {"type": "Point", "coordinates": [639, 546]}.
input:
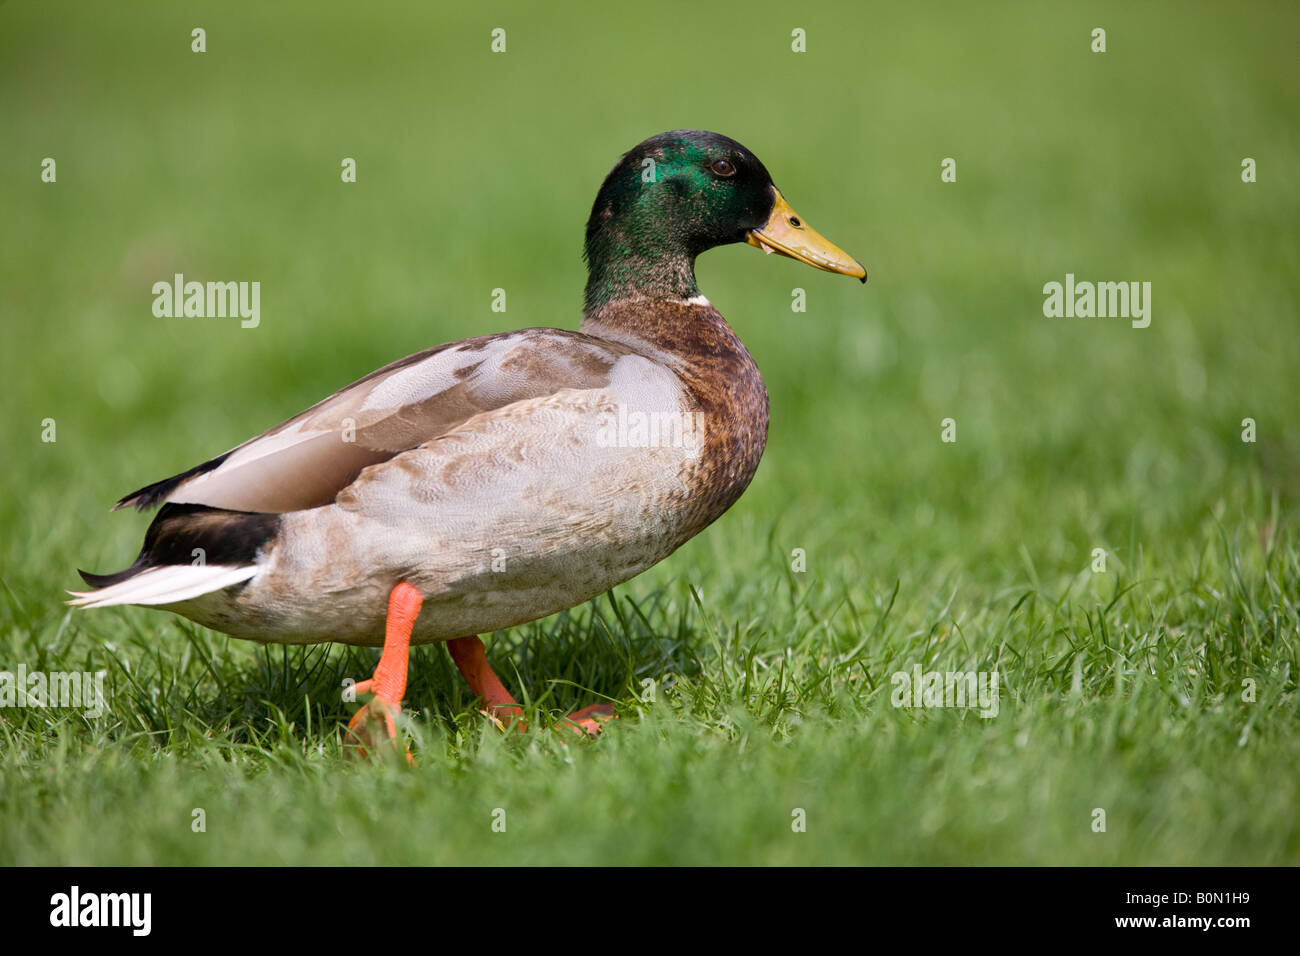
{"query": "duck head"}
{"type": "Point", "coordinates": [678, 194]}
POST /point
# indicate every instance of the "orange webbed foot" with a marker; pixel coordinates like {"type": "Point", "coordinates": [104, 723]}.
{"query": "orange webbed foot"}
{"type": "Point", "coordinates": [589, 720]}
{"type": "Point", "coordinates": [371, 728]}
{"type": "Point", "coordinates": [375, 724]}
{"type": "Point", "coordinates": [470, 658]}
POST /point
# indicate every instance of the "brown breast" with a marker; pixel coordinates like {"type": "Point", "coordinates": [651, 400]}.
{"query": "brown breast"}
{"type": "Point", "coordinates": [695, 341]}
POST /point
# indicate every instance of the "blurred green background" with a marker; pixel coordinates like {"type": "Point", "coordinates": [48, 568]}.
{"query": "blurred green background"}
{"type": "Point", "coordinates": [476, 171]}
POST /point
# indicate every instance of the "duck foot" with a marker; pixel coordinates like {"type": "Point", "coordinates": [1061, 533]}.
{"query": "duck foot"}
{"type": "Point", "coordinates": [588, 720]}
{"type": "Point", "coordinates": [375, 723]}
{"type": "Point", "coordinates": [470, 658]}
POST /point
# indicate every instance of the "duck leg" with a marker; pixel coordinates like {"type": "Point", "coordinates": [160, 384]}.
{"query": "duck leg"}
{"type": "Point", "coordinates": [376, 720]}
{"type": "Point", "coordinates": [471, 659]}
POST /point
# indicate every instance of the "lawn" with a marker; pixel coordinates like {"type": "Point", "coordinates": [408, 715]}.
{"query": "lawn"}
{"type": "Point", "coordinates": [1098, 534]}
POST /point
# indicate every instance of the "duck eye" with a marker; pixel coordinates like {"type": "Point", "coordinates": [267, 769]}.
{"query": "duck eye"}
{"type": "Point", "coordinates": [723, 167]}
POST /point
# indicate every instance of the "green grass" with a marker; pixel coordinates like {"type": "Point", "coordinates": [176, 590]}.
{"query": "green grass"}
{"type": "Point", "coordinates": [1121, 690]}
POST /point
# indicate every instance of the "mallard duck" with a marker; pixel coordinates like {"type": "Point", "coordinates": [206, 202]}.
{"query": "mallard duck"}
{"type": "Point", "coordinates": [498, 479]}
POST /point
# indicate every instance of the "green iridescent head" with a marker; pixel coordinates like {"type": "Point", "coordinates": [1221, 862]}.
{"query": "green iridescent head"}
{"type": "Point", "coordinates": [678, 194]}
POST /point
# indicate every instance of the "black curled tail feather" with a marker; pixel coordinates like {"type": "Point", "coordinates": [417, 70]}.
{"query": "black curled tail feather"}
{"type": "Point", "coordinates": [190, 534]}
{"type": "Point", "coordinates": [107, 580]}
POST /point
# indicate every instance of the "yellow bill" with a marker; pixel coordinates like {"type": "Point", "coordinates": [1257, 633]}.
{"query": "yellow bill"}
{"type": "Point", "coordinates": [785, 232]}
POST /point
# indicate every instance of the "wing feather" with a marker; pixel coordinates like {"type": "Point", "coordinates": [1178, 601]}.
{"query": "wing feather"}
{"type": "Point", "coordinates": [307, 460]}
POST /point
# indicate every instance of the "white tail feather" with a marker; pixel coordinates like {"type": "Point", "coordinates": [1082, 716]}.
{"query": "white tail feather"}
{"type": "Point", "coordinates": [165, 585]}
